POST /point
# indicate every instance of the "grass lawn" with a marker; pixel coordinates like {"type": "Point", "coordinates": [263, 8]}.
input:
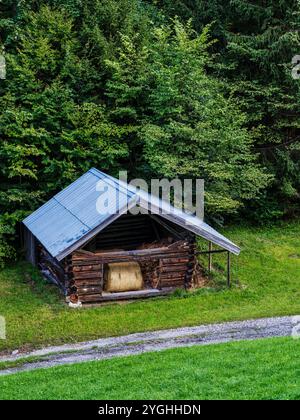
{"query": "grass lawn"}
{"type": "Point", "coordinates": [263, 369]}
{"type": "Point", "coordinates": [266, 280]}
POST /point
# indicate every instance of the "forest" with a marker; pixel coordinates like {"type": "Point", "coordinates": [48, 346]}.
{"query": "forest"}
{"type": "Point", "coordinates": [160, 88]}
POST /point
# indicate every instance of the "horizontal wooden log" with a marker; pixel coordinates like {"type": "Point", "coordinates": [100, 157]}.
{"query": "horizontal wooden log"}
{"type": "Point", "coordinates": [179, 244]}
{"type": "Point", "coordinates": [129, 259]}
{"type": "Point", "coordinates": [83, 252]}
{"type": "Point", "coordinates": [89, 290]}
{"type": "Point", "coordinates": [110, 297]}
{"type": "Point", "coordinates": [90, 298]}
{"type": "Point", "coordinates": [173, 268]}
{"type": "Point", "coordinates": [111, 258]}
{"type": "Point", "coordinates": [174, 280]}
{"type": "Point", "coordinates": [172, 276]}
{"type": "Point", "coordinates": [87, 275]}
{"type": "Point", "coordinates": [78, 268]}
{"type": "Point", "coordinates": [86, 282]}
{"type": "Point", "coordinates": [79, 256]}
{"type": "Point", "coordinates": [133, 253]}
{"type": "Point", "coordinates": [173, 283]}
{"type": "Point", "coordinates": [175, 286]}
{"type": "Point", "coordinates": [171, 261]}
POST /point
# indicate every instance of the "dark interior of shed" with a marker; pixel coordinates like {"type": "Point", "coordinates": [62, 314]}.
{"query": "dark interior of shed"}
{"type": "Point", "coordinates": [131, 232]}
{"type": "Point", "coordinates": [145, 233]}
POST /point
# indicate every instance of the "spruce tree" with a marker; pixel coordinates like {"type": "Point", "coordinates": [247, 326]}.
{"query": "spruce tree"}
{"type": "Point", "coordinates": [256, 43]}
{"type": "Point", "coordinates": [192, 130]}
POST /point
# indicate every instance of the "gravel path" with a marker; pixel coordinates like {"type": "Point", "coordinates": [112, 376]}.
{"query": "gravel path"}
{"type": "Point", "coordinates": [134, 344]}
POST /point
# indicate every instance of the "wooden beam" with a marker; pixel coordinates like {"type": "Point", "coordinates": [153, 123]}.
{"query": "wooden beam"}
{"type": "Point", "coordinates": [210, 257]}
{"type": "Point", "coordinates": [140, 294]}
{"type": "Point", "coordinates": [168, 252]}
{"type": "Point", "coordinates": [228, 270]}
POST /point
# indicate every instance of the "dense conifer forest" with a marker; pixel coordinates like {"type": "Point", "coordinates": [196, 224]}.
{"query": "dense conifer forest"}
{"type": "Point", "coordinates": [161, 88]}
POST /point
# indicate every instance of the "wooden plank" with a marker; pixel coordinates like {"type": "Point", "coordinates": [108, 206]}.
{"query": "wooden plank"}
{"type": "Point", "coordinates": [172, 283]}
{"type": "Point", "coordinates": [140, 294]}
{"type": "Point", "coordinates": [140, 252]}
{"type": "Point", "coordinates": [90, 298]}
{"type": "Point", "coordinates": [87, 275]}
{"type": "Point", "coordinates": [89, 290]}
{"type": "Point", "coordinates": [170, 261]}
{"type": "Point", "coordinates": [210, 257]}
{"type": "Point", "coordinates": [228, 270]}
{"type": "Point", "coordinates": [102, 278]}
{"type": "Point", "coordinates": [171, 275]}
{"type": "Point", "coordinates": [84, 252]}
{"type": "Point", "coordinates": [177, 285]}
{"type": "Point", "coordinates": [87, 282]}
{"type": "Point", "coordinates": [128, 259]}
{"type": "Point", "coordinates": [135, 253]}
{"type": "Point", "coordinates": [173, 268]}
{"type": "Point", "coordinates": [135, 257]}
{"type": "Point", "coordinates": [79, 269]}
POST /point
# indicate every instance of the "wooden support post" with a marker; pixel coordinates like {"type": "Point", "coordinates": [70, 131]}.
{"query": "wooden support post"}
{"type": "Point", "coordinates": [209, 257]}
{"type": "Point", "coordinates": [228, 270]}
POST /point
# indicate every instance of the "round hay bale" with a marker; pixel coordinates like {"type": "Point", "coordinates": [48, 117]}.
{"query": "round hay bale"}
{"type": "Point", "coordinates": [124, 277]}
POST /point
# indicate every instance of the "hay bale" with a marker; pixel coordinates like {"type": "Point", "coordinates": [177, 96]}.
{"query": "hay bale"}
{"type": "Point", "coordinates": [124, 277]}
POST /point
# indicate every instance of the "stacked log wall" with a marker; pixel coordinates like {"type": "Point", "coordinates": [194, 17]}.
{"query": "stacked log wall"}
{"type": "Point", "coordinates": [86, 279]}
{"type": "Point", "coordinates": [166, 267]}
{"type": "Point", "coordinates": [172, 272]}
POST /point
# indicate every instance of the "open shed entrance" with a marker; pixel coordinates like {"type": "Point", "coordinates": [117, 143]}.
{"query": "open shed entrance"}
{"type": "Point", "coordinates": [130, 232]}
{"type": "Point", "coordinates": [136, 256]}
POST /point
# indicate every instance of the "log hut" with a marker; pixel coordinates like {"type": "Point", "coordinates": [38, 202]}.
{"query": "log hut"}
{"type": "Point", "coordinates": [95, 257]}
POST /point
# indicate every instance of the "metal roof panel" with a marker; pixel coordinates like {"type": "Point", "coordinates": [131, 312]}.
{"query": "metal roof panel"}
{"type": "Point", "coordinates": [70, 218]}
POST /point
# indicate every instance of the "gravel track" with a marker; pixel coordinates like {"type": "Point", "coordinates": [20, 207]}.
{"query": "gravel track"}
{"type": "Point", "coordinates": [139, 343]}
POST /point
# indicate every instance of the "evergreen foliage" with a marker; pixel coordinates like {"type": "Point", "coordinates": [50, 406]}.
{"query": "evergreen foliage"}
{"type": "Point", "coordinates": [193, 130]}
{"type": "Point", "coordinates": [256, 43]}
{"type": "Point", "coordinates": [125, 84]}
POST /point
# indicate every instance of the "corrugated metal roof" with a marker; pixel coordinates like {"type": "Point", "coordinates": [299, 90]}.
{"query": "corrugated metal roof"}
{"type": "Point", "coordinates": [71, 218]}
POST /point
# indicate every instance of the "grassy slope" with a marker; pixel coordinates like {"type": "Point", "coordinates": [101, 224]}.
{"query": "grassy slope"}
{"type": "Point", "coordinates": [263, 369]}
{"type": "Point", "coordinates": [268, 273]}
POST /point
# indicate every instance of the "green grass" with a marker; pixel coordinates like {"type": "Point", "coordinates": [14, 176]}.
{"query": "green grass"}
{"type": "Point", "coordinates": [263, 369]}
{"type": "Point", "coordinates": [20, 362]}
{"type": "Point", "coordinates": [17, 363]}
{"type": "Point", "coordinates": [266, 280]}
